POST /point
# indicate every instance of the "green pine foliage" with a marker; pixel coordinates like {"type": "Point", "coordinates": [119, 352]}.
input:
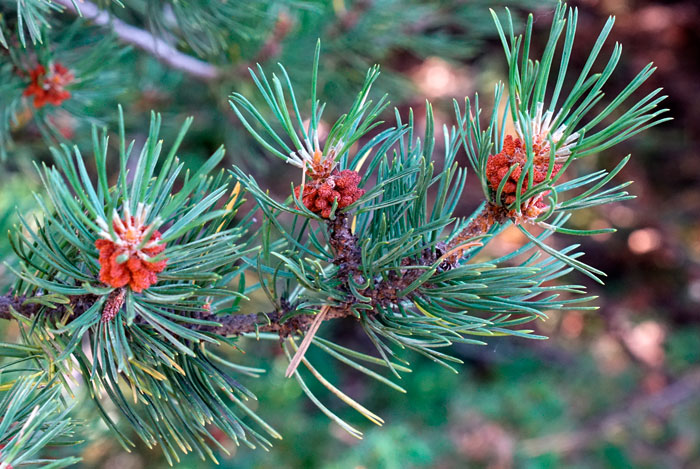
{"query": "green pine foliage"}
{"type": "Point", "coordinates": [219, 40]}
{"type": "Point", "coordinates": [571, 115]}
{"type": "Point", "coordinates": [148, 344]}
{"type": "Point", "coordinates": [87, 52]}
{"type": "Point", "coordinates": [34, 415]}
{"type": "Point", "coordinates": [145, 332]}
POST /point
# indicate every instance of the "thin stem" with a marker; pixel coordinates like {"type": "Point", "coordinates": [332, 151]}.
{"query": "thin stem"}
{"type": "Point", "coordinates": [489, 216]}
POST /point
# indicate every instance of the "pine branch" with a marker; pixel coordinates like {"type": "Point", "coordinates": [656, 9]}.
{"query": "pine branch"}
{"type": "Point", "coordinates": [9, 302]}
{"type": "Point", "coordinates": [479, 225]}
{"type": "Point", "coordinates": [283, 322]}
{"type": "Point", "coordinates": [145, 41]}
{"type": "Point", "coordinates": [229, 326]}
{"type": "Point", "coordinates": [132, 281]}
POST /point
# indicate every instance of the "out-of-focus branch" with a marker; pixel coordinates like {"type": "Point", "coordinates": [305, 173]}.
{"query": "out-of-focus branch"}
{"type": "Point", "coordinates": [144, 40]}
{"type": "Point", "coordinates": [272, 45]}
{"type": "Point", "coordinates": [683, 389]}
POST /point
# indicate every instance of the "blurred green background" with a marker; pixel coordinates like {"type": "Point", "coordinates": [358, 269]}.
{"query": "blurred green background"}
{"type": "Point", "coordinates": [619, 387]}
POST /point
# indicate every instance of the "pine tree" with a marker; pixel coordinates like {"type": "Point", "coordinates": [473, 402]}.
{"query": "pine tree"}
{"type": "Point", "coordinates": [131, 289]}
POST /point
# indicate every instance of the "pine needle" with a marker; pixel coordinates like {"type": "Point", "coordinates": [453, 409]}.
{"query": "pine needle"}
{"type": "Point", "coordinates": [307, 341]}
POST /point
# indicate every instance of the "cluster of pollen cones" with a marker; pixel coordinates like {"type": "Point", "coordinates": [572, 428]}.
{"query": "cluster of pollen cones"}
{"type": "Point", "coordinates": [48, 86]}
{"type": "Point", "coordinates": [127, 258]}
{"type": "Point", "coordinates": [514, 152]}
{"type": "Point", "coordinates": [328, 185]}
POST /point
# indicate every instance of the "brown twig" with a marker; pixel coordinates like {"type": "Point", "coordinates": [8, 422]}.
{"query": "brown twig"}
{"type": "Point", "coordinates": [345, 247]}
{"type": "Point", "coordinates": [347, 257]}
{"type": "Point", "coordinates": [144, 40]}
{"type": "Point", "coordinates": [9, 302]}
{"type": "Point", "coordinates": [229, 325]}
{"type": "Point", "coordinates": [489, 216]}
